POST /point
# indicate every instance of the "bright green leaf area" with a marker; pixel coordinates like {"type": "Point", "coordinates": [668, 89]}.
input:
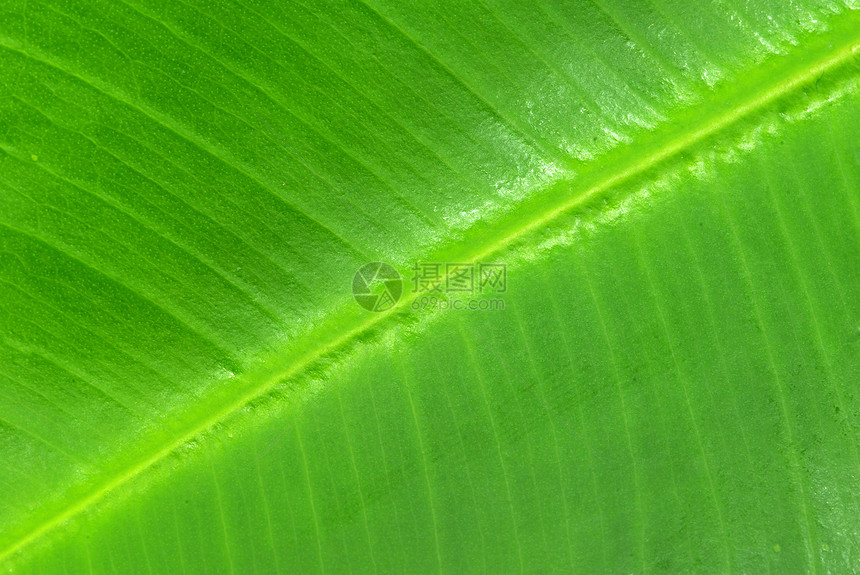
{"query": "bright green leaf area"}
{"type": "Point", "coordinates": [188, 386]}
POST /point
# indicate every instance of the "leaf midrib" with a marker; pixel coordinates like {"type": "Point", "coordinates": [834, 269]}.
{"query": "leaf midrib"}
{"type": "Point", "coordinates": [345, 326]}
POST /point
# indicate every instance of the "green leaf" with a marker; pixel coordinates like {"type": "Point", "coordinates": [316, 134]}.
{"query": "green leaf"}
{"type": "Point", "coordinates": [668, 381]}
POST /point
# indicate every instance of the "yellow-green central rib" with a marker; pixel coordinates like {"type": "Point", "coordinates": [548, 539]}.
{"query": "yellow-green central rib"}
{"type": "Point", "coordinates": [831, 53]}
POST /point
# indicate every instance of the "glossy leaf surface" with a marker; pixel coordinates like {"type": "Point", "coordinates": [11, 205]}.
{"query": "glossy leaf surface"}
{"type": "Point", "coordinates": [188, 385]}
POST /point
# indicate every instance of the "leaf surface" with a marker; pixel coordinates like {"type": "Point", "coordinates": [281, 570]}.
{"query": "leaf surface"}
{"type": "Point", "coordinates": [668, 382]}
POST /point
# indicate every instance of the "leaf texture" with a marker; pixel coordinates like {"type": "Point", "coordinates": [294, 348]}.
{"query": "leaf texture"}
{"type": "Point", "coordinates": [188, 386]}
